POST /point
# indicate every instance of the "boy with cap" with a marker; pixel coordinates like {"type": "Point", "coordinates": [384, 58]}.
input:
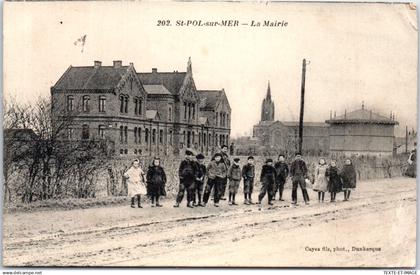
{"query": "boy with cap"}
{"type": "Point", "coordinates": [248, 174]}
{"type": "Point", "coordinates": [199, 180]}
{"type": "Point", "coordinates": [216, 171]}
{"type": "Point", "coordinates": [234, 175]}
{"type": "Point", "coordinates": [187, 173]}
{"type": "Point", "coordinates": [298, 172]}
{"type": "Point", "coordinates": [268, 179]}
{"type": "Point", "coordinates": [282, 171]}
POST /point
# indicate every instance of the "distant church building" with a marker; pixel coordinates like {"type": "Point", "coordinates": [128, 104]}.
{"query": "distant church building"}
{"type": "Point", "coordinates": [361, 132]}
{"type": "Point", "coordinates": [282, 136]}
{"type": "Point", "coordinates": [153, 113]}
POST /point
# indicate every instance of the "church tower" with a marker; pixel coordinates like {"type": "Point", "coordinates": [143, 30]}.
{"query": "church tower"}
{"type": "Point", "coordinates": [267, 110]}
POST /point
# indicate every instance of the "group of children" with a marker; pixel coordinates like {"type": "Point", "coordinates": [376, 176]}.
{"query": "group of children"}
{"type": "Point", "coordinates": [198, 181]}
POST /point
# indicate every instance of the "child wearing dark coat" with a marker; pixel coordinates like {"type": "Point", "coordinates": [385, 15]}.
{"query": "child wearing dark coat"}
{"type": "Point", "coordinates": [187, 174]}
{"type": "Point", "coordinates": [348, 177]}
{"type": "Point", "coordinates": [334, 180]}
{"type": "Point", "coordinates": [268, 180]}
{"type": "Point", "coordinates": [282, 171]}
{"type": "Point", "coordinates": [199, 180]}
{"type": "Point", "coordinates": [234, 175]}
{"type": "Point", "coordinates": [248, 174]}
{"type": "Point", "coordinates": [156, 180]}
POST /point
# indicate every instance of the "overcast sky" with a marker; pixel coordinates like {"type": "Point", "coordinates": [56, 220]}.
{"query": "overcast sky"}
{"type": "Point", "coordinates": [357, 52]}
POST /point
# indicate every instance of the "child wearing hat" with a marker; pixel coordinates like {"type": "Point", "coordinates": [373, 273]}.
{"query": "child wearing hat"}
{"type": "Point", "coordinates": [187, 173]}
{"type": "Point", "coordinates": [234, 175]}
{"type": "Point", "coordinates": [199, 180]}
{"type": "Point", "coordinates": [268, 180]}
{"type": "Point", "coordinates": [248, 174]}
{"type": "Point", "coordinates": [216, 171]}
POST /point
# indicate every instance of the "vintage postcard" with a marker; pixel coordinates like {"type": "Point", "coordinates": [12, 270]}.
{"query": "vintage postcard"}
{"type": "Point", "coordinates": [209, 134]}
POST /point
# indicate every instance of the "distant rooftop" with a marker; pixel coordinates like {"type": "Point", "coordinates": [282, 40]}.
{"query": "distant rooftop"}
{"type": "Point", "coordinates": [362, 116]}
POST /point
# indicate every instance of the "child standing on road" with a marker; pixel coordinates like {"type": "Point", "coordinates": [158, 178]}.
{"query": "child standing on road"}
{"type": "Point", "coordinates": [135, 183]}
{"type": "Point", "coordinates": [216, 173]}
{"type": "Point", "coordinates": [282, 171]}
{"type": "Point", "coordinates": [348, 176]}
{"type": "Point", "coordinates": [199, 180]}
{"type": "Point", "coordinates": [334, 180]}
{"type": "Point", "coordinates": [248, 173]}
{"type": "Point", "coordinates": [321, 184]}
{"type": "Point", "coordinates": [234, 176]}
{"type": "Point", "coordinates": [156, 180]}
{"type": "Point", "coordinates": [268, 179]}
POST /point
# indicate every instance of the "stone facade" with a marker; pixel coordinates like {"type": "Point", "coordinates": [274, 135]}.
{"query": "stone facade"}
{"type": "Point", "coordinates": [139, 113]}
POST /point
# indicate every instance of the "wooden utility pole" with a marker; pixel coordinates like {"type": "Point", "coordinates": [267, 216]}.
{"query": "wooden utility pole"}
{"type": "Point", "coordinates": [302, 106]}
{"type": "Point", "coordinates": [406, 139]}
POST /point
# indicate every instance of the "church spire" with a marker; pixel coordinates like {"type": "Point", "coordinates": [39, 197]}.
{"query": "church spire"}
{"type": "Point", "coordinates": [268, 91]}
{"type": "Point", "coordinates": [267, 109]}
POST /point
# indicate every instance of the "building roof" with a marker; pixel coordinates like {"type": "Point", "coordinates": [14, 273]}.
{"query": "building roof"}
{"type": "Point", "coordinates": [209, 98]}
{"type": "Point", "coordinates": [362, 116]}
{"type": "Point", "coordinates": [305, 124]}
{"type": "Point", "coordinates": [171, 81]}
{"type": "Point", "coordinates": [91, 78]}
{"type": "Point", "coordinates": [156, 89]}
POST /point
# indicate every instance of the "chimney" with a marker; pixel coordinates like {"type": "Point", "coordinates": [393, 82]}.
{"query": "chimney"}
{"type": "Point", "coordinates": [117, 63]}
{"type": "Point", "coordinates": [345, 113]}
{"type": "Point", "coordinates": [330, 114]}
{"type": "Point", "coordinates": [97, 63]}
{"type": "Point", "coordinates": [154, 70]}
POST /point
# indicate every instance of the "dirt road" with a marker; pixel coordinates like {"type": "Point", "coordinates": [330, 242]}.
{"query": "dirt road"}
{"type": "Point", "coordinates": [377, 227]}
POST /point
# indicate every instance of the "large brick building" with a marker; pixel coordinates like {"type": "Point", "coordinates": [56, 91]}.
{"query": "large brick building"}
{"type": "Point", "coordinates": [154, 113]}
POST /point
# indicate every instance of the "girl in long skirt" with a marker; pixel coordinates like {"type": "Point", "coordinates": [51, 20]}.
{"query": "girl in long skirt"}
{"type": "Point", "coordinates": [156, 180]}
{"type": "Point", "coordinates": [334, 180]}
{"type": "Point", "coordinates": [348, 176]}
{"type": "Point", "coordinates": [135, 183]}
{"type": "Point", "coordinates": [321, 184]}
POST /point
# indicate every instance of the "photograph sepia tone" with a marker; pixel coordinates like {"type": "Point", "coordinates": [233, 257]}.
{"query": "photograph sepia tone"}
{"type": "Point", "coordinates": [209, 134]}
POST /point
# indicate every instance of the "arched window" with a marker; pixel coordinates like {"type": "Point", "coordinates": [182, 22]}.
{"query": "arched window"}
{"type": "Point", "coordinates": [85, 103]}
{"type": "Point", "coordinates": [121, 134]}
{"type": "Point", "coordinates": [85, 131]}
{"type": "Point", "coordinates": [146, 136]}
{"type": "Point", "coordinates": [154, 136]}
{"type": "Point", "coordinates": [101, 131]}
{"type": "Point", "coordinates": [135, 135]}
{"type": "Point", "coordinates": [70, 103]}
{"type": "Point", "coordinates": [125, 134]}
{"type": "Point", "coordinates": [102, 101]}
{"type": "Point", "coordinates": [139, 134]}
